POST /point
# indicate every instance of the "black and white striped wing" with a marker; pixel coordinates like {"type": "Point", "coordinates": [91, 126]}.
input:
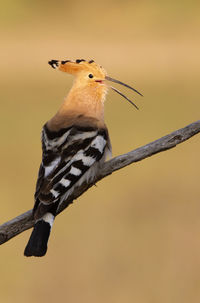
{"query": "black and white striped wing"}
{"type": "Point", "coordinates": [70, 157]}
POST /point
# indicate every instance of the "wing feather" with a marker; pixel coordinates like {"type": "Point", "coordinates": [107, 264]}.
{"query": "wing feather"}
{"type": "Point", "coordinates": [66, 159]}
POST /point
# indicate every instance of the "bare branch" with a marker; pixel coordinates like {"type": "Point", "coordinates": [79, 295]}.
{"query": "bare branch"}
{"type": "Point", "coordinates": [25, 221]}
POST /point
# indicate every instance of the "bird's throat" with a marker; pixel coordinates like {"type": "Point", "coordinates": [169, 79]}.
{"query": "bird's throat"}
{"type": "Point", "coordinates": [86, 103]}
{"type": "Point", "coordinates": [86, 100]}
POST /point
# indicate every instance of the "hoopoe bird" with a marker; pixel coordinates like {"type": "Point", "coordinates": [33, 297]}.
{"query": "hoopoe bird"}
{"type": "Point", "coordinates": [75, 143]}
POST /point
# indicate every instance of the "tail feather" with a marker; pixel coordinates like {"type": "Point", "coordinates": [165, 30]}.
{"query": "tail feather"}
{"type": "Point", "coordinates": [37, 244]}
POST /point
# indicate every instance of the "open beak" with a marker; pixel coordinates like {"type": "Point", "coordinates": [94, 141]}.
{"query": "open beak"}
{"type": "Point", "coordinates": [117, 91]}
{"type": "Point", "coordinates": [126, 85]}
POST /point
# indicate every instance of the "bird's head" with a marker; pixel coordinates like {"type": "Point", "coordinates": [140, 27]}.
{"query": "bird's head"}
{"type": "Point", "coordinates": [85, 72]}
{"type": "Point", "coordinates": [89, 74]}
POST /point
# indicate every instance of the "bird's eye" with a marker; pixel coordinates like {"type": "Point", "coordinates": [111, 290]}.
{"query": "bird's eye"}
{"type": "Point", "coordinates": [90, 76]}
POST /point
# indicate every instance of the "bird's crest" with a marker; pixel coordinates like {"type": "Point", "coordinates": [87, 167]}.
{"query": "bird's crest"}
{"type": "Point", "coordinates": [94, 69]}
{"type": "Point", "coordinates": [75, 67]}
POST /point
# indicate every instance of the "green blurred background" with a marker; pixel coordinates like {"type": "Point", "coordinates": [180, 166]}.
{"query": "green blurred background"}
{"type": "Point", "coordinates": [135, 237]}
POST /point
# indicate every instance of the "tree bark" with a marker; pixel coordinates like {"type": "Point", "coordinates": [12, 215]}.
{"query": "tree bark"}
{"type": "Point", "coordinates": [25, 221]}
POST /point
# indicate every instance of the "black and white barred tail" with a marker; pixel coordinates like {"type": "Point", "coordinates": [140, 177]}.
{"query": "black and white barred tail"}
{"type": "Point", "coordinates": [37, 244]}
{"type": "Point", "coordinates": [71, 156]}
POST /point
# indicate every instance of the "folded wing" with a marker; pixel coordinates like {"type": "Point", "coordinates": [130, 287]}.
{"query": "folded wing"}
{"type": "Point", "coordinates": [70, 157]}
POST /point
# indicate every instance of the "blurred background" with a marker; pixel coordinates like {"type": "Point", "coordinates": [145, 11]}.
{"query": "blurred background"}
{"type": "Point", "coordinates": [136, 236]}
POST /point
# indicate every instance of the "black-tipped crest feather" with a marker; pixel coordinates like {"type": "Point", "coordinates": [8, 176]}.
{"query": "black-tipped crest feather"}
{"type": "Point", "coordinates": [53, 63]}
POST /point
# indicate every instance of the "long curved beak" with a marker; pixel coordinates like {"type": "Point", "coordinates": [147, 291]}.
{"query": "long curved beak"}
{"type": "Point", "coordinates": [120, 93]}
{"type": "Point", "coordinates": [117, 91]}
{"type": "Point", "coordinates": [121, 83]}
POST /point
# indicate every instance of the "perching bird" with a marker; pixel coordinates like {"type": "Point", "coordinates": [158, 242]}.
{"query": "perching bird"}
{"type": "Point", "coordinates": [75, 142]}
